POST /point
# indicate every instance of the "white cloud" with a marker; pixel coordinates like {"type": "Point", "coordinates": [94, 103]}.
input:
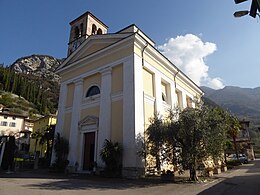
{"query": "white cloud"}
{"type": "Point", "coordinates": [215, 83]}
{"type": "Point", "coordinates": [189, 53]}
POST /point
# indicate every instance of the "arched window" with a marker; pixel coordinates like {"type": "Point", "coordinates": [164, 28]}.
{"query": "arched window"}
{"type": "Point", "coordinates": [94, 90]}
{"type": "Point", "coordinates": [99, 32]}
{"type": "Point", "coordinates": [94, 29]}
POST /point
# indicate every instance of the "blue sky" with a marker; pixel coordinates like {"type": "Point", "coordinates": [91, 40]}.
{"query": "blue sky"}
{"type": "Point", "coordinates": [223, 50]}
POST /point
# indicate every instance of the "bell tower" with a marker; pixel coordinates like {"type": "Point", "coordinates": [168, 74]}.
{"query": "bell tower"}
{"type": "Point", "coordinates": [83, 27]}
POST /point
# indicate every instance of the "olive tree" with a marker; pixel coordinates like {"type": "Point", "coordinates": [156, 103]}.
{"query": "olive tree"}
{"type": "Point", "coordinates": [155, 139]}
{"type": "Point", "coordinates": [233, 127]}
{"type": "Point", "coordinates": [199, 133]}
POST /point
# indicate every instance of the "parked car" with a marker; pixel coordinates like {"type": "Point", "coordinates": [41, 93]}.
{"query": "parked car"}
{"type": "Point", "coordinates": [242, 158]}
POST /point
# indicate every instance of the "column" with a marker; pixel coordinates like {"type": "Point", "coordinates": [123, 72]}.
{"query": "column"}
{"type": "Point", "coordinates": [173, 94]}
{"type": "Point", "coordinates": [133, 116]}
{"type": "Point", "coordinates": [184, 100]}
{"type": "Point", "coordinates": [61, 113]}
{"type": "Point", "coordinates": [104, 131]}
{"type": "Point", "coordinates": [61, 108]}
{"type": "Point", "coordinates": [138, 109]}
{"type": "Point", "coordinates": [128, 115]}
{"type": "Point", "coordinates": [73, 140]}
{"type": "Point", "coordinates": [158, 93]}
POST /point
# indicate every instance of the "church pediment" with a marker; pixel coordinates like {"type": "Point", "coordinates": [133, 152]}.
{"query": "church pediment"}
{"type": "Point", "coordinates": [88, 120]}
{"type": "Point", "coordinates": [92, 45]}
{"type": "Point", "coordinates": [90, 48]}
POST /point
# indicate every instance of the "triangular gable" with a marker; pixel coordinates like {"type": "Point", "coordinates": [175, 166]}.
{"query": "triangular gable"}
{"type": "Point", "coordinates": [88, 120]}
{"type": "Point", "coordinates": [91, 45]}
{"type": "Point", "coordinates": [90, 48]}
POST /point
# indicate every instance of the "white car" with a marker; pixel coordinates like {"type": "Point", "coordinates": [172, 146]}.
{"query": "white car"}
{"type": "Point", "coordinates": [242, 158]}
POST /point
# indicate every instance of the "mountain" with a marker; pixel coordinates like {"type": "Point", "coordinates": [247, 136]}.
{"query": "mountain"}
{"type": "Point", "coordinates": [244, 102]}
{"type": "Point", "coordinates": [15, 104]}
{"type": "Point", "coordinates": [42, 66]}
{"type": "Point", "coordinates": [33, 79]}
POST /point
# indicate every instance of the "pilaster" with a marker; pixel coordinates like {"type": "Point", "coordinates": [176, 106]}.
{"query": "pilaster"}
{"type": "Point", "coordinates": [73, 140]}
{"type": "Point", "coordinates": [184, 100]}
{"type": "Point", "coordinates": [158, 93]}
{"type": "Point", "coordinates": [105, 109]}
{"type": "Point", "coordinates": [173, 94]}
{"type": "Point", "coordinates": [133, 118]}
{"type": "Point", "coordinates": [61, 113]}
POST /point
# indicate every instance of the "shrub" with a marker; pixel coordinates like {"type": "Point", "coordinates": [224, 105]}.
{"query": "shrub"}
{"type": "Point", "coordinates": [61, 148]}
{"type": "Point", "coordinates": [232, 163]}
{"type": "Point", "coordinates": [111, 155]}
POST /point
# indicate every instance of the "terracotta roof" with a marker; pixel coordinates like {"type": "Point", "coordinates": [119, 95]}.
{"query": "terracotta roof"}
{"type": "Point", "coordinates": [12, 114]}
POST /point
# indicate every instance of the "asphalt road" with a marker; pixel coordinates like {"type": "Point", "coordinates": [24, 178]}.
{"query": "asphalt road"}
{"type": "Point", "coordinates": [243, 180]}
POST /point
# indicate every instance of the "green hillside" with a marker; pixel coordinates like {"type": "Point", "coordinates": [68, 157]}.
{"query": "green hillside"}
{"type": "Point", "coordinates": [41, 93]}
{"type": "Point", "coordinates": [244, 102]}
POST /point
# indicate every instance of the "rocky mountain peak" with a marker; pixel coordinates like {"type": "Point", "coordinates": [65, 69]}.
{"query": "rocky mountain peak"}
{"type": "Point", "coordinates": [43, 66]}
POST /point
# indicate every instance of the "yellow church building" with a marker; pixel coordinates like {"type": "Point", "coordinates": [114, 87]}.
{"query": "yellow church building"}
{"type": "Point", "coordinates": [111, 84]}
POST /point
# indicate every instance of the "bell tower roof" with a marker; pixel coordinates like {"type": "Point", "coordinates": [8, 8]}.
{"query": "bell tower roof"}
{"type": "Point", "coordinates": [86, 14]}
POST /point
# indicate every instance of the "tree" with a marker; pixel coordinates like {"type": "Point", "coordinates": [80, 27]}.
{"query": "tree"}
{"type": "Point", "coordinates": [155, 139]}
{"type": "Point", "coordinates": [8, 155]}
{"type": "Point", "coordinates": [37, 136]}
{"type": "Point", "coordinates": [216, 131]}
{"type": "Point", "coordinates": [199, 133]}
{"type": "Point", "coordinates": [48, 138]}
{"type": "Point", "coordinates": [111, 155]}
{"type": "Point", "coordinates": [233, 127]}
{"type": "Point", "coordinates": [61, 148]}
{"type": "Point", "coordinates": [49, 135]}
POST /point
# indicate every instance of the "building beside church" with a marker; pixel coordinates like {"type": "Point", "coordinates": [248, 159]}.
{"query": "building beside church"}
{"type": "Point", "coordinates": [39, 127]}
{"type": "Point", "coordinates": [244, 140]}
{"type": "Point", "coordinates": [111, 85]}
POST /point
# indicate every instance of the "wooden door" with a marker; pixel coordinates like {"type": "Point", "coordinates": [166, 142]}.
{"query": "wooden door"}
{"type": "Point", "coordinates": [89, 151]}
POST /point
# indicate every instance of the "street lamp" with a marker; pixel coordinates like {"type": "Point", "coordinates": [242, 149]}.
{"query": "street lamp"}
{"type": "Point", "coordinates": [239, 1]}
{"type": "Point", "coordinates": [255, 5]}
{"type": "Point", "coordinates": [239, 14]}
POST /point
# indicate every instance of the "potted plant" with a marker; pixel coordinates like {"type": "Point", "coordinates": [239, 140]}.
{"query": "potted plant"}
{"type": "Point", "coordinates": [209, 171]}
{"type": "Point", "coordinates": [167, 176]}
{"type": "Point", "coordinates": [223, 167]}
{"type": "Point", "coordinates": [61, 148]}
{"type": "Point", "coordinates": [111, 155]}
{"type": "Point", "coordinates": [217, 169]}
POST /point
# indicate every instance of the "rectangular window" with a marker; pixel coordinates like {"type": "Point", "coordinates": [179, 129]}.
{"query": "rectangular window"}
{"type": "Point", "coordinates": [3, 123]}
{"type": "Point", "coordinates": [179, 99]}
{"type": "Point", "coordinates": [12, 124]}
{"type": "Point", "coordinates": [165, 87]}
{"type": "Point", "coordinates": [5, 117]}
{"type": "Point", "coordinates": [189, 101]}
{"type": "Point", "coordinates": [148, 82]}
{"type": "Point", "coordinates": [14, 117]}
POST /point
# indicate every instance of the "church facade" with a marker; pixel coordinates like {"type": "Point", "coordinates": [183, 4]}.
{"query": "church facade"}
{"type": "Point", "coordinates": [111, 85]}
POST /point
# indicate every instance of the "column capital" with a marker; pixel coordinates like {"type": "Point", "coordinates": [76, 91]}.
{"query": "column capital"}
{"type": "Point", "coordinates": [78, 81]}
{"type": "Point", "coordinates": [105, 71]}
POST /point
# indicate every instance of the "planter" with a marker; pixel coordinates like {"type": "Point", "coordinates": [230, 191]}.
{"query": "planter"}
{"type": "Point", "coordinates": [167, 177]}
{"type": "Point", "coordinates": [217, 171]}
{"type": "Point", "coordinates": [223, 168]}
{"type": "Point", "coordinates": [209, 172]}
